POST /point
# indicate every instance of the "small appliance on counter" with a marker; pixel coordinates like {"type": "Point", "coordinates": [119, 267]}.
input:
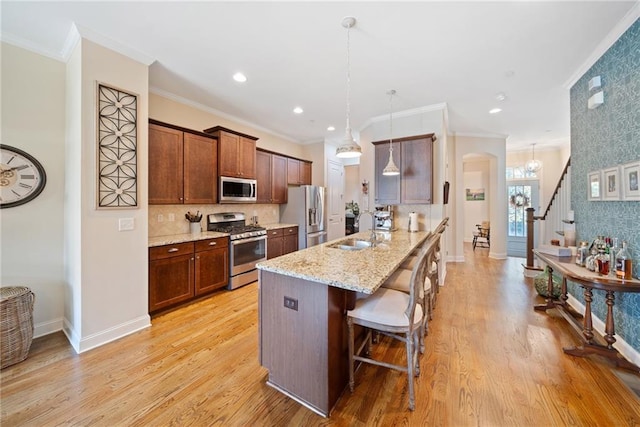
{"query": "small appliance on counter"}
{"type": "Point", "coordinates": [384, 218]}
{"type": "Point", "coordinates": [413, 222]}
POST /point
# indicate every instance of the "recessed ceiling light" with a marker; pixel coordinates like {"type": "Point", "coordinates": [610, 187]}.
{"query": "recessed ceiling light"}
{"type": "Point", "coordinates": [239, 77]}
{"type": "Point", "coordinates": [298, 110]}
{"type": "Point", "coordinates": [495, 110]}
{"type": "Point", "coordinates": [331, 128]}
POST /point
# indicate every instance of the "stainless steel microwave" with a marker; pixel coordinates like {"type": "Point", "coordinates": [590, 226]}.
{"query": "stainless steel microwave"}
{"type": "Point", "coordinates": [237, 190]}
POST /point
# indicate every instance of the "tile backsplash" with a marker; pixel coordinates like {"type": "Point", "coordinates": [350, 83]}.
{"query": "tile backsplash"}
{"type": "Point", "coordinates": [165, 220]}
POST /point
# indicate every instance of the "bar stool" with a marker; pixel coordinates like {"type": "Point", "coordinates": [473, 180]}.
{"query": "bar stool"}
{"type": "Point", "coordinates": [396, 314]}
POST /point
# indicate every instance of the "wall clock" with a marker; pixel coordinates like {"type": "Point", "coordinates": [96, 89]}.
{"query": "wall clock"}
{"type": "Point", "coordinates": [22, 177]}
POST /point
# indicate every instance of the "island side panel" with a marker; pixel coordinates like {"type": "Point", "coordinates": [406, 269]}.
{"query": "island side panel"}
{"type": "Point", "coordinates": [302, 349]}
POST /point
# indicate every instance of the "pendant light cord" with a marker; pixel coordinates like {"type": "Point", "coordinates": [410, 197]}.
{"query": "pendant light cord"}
{"type": "Point", "coordinates": [348, 80]}
{"type": "Point", "coordinates": [391, 122]}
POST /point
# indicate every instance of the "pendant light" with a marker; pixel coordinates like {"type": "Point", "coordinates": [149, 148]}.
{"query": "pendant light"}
{"type": "Point", "coordinates": [391, 169]}
{"type": "Point", "coordinates": [349, 147]}
{"type": "Point", "coordinates": [533, 165]}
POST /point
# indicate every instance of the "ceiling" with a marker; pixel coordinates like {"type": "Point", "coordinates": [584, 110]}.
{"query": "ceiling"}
{"type": "Point", "coordinates": [294, 54]}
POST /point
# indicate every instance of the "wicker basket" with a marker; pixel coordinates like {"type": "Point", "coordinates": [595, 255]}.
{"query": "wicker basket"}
{"type": "Point", "coordinates": [16, 323]}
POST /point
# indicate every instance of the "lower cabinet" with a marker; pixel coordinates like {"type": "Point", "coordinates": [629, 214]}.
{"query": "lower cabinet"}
{"type": "Point", "coordinates": [181, 272]}
{"type": "Point", "coordinates": [281, 241]}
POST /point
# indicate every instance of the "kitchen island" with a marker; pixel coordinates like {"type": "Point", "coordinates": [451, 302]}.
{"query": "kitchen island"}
{"type": "Point", "coordinates": [302, 303]}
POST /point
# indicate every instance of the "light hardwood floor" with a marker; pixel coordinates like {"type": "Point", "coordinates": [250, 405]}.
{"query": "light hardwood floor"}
{"type": "Point", "coordinates": [491, 360]}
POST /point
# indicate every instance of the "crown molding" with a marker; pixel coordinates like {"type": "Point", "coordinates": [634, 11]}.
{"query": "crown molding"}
{"type": "Point", "coordinates": [407, 113]}
{"type": "Point", "coordinates": [481, 135]}
{"type": "Point", "coordinates": [613, 36]}
{"type": "Point", "coordinates": [30, 46]}
{"type": "Point", "coordinates": [109, 43]}
{"type": "Point", "coordinates": [202, 107]}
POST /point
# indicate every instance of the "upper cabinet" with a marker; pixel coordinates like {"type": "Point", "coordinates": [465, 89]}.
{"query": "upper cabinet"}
{"type": "Point", "coordinates": [298, 172]}
{"type": "Point", "coordinates": [236, 153]}
{"type": "Point", "coordinates": [414, 157]}
{"type": "Point", "coordinates": [271, 170]}
{"type": "Point", "coordinates": [182, 165]}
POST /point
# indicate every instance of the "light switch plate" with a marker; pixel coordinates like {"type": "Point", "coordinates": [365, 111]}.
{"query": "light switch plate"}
{"type": "Point", "coordinates": [125, 224]}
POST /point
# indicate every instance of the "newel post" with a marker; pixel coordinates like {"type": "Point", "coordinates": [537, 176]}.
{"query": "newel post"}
{"type": "Point", "coordinates": [530, 236]}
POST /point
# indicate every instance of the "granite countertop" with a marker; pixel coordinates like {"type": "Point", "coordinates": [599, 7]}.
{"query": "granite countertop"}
{"type": "Point", "coordinates": [276, 225]}
{"type": "Point", "coordinates": [185, 237]}
{"type": "Point", "coordinates": [362, 271]}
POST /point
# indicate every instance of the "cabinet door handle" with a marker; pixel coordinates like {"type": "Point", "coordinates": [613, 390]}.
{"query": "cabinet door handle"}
{"type": "Point", "coordinates": [212, 243]}
{"type": "Point", "coordinates": [173, 250]}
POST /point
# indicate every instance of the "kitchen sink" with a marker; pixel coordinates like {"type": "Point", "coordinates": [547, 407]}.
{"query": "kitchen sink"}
{"type": "Point", "coordinates": [351, 244]}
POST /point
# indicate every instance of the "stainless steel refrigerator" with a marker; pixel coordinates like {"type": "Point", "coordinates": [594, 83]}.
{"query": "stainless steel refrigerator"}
{"type": "Point", "coordinates": [306, 207]}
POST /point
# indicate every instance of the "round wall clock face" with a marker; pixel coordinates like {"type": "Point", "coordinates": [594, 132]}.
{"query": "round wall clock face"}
{"type": "Point", "coordinates": [22, 177]}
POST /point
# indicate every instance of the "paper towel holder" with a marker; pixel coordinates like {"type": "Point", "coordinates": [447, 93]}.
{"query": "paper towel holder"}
{"type": "Point", "coordinates": [413, 222]}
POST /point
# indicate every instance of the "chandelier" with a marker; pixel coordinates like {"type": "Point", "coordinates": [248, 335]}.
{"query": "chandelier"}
{"type": "Point", "coordinates": [349, 147]}
{"type": "Point", "coordinates": [532, 165]}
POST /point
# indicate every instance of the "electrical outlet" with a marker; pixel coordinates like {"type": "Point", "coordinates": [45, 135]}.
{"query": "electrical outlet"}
{"type": "Point", "coordinates": [291, 303]}
{"type": "Point", "coordinates": [125, 224]}
{"type": "Point", "coordinates": [160, 217]}
{"type": "Point", "coordinates": [172, 217]}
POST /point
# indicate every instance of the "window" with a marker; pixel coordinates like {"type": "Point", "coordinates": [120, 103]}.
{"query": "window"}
{"type": "Point", "coordinates": [519, 200]}
{"type": "Point", "coordinates": [519, 172]}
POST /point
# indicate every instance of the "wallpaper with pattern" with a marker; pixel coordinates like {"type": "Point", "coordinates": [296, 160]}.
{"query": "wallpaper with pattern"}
{"type": "Point", "coordinates": [603, 137]}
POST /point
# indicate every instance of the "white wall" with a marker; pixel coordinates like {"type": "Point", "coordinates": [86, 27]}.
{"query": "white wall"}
{"type": "Point", "coordinates": [494, 149]}
{"type": "Point", "coordinates": [33, 119]}
{"type": "Point", "coordinates": [476, 175]}
{"type": "Point", "coordinates": [352, 183]}
{"type": "Point", "coordinates": [108, 273]}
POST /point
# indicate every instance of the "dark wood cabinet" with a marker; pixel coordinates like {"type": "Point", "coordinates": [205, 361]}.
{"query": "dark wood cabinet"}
{"type": "Point", "coordinates": [181, 272]}
{"type": "Point", "coordinates": [271, 172]}
{"type": "Point", "coordinates": [298, 172]}
{"type": "Point", "coordinates": [171, 275]}
{"type": "Point", "coordinates": [212, 265]}
{"type": "Point", "coordinates": [281, 241]}
{"type": "Point", "coordinates": [236, 153]}
{"type": "Point", "coordinates": [414, 157]}
{"type": "Point", "coordinates": [182, 166]}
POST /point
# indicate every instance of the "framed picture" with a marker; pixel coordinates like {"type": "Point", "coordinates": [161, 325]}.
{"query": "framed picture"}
{"type": "Point", "coordinates": [611, 183]}
{"type": "Point", "coordinates": [630, 180]}
{"type": "Point", "coordinates": [475, 194]}
{"type": "Point", "coordinates": [595, 190]}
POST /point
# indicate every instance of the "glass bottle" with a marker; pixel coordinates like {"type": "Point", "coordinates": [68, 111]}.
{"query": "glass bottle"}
{"type": "Point", "coordinates": [582, 254]}
{"type": "Point", "coordinates": [623, 263]}
{"type": "Point", "coordinates": [602, 262]}
{"type": "Point", "coordinates": [613, 252]}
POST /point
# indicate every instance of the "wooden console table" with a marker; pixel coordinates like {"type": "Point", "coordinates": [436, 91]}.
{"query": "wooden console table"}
{"type": "Point", "coordinates": [588, 280]}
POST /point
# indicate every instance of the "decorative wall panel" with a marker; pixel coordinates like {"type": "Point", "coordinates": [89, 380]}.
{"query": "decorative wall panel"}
{"type": "Point", "coordinates": [117, 148]}
{"type": "Point", "coordinates": [600, 139]}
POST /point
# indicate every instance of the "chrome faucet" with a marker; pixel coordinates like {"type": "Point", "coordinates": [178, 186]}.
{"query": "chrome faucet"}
{"type": "Point", "coordinates": [372, 238]}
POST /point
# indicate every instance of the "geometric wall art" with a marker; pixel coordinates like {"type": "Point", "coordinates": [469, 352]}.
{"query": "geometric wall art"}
{"type": "Point", "coordinates": [117, 148]}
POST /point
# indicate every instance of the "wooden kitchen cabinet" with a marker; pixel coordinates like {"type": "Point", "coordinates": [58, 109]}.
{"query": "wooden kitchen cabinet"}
{"type": "Point", "coordinates": [182, 166]}
{"type": "Point", "coordinates": [236, 153]}
{"type": "Point", "coordinates": [271, 172]}
{"type": "Point", "coordinates": [171, 275]}
{"type": "Point", "coordinates": [212, 265]}
{"type": "Point", "coordinates": [298, 172]}
{"type": "Point", "coordinates": [281, 241]}
{"type": "Point", "coordinates": [414, 157]}
{"type": "Point", "coordinates": [181, 272]}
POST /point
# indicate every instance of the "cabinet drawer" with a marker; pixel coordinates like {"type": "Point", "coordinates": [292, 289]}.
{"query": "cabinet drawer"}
{"type": "Point", "coordinates": [278, 232]}
{"type": "Point", "coordinates": [168, 251]}
{"type": "Point", "coordinates": [205, 245]}
{"type": "Point", "coordinates": [289, 231]}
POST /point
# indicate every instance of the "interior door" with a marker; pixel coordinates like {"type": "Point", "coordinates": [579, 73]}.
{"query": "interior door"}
{"type": "Point", "coordinates": [335, 202]}
{"type": "Point", "coordinates": [520, 196]}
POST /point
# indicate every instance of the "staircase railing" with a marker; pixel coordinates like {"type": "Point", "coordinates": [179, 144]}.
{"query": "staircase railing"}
{"type": "Point", "coordinates": [555, 215]}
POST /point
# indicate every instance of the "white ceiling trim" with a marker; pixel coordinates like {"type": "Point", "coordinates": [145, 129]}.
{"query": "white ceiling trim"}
{"type": "Point", "coordinates": [481, 135]}
{"type": "Point", "coordinates": [211, 110]}
{"type": "Point", "coordinates": [30, 46]}
{"type": "Point", "coordinates": [73, 38]}
{"type": "Point", "coordinates": [406, 113]}
{"type": "Point", "coordinates": [109, 43]}
{"type": "Point", "coordinates": [605, 44]}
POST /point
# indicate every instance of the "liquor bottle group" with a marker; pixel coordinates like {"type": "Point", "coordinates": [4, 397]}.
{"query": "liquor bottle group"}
{"type": "Point", "coordinates": [606, 257]}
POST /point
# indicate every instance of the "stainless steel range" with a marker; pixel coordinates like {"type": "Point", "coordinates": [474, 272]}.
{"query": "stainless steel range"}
{"type": "Point", "coordinates": [247, 246]}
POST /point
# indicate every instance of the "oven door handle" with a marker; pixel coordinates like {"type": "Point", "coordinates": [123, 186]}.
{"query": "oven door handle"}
{"type": "Point", "coordinates": [251, 239]}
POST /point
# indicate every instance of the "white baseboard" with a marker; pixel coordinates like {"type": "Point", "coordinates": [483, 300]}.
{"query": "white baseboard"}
{"type": "Point", "coordinates": [103, 337]}
{"type": "Point", "coordinates": [496, 255]}
{"type": "Point", "coordinates": [45, 328]}
{"type": "Point", "coordinates": [629, 353]}
{"type": "Point", "coordinates": [452, 258]}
